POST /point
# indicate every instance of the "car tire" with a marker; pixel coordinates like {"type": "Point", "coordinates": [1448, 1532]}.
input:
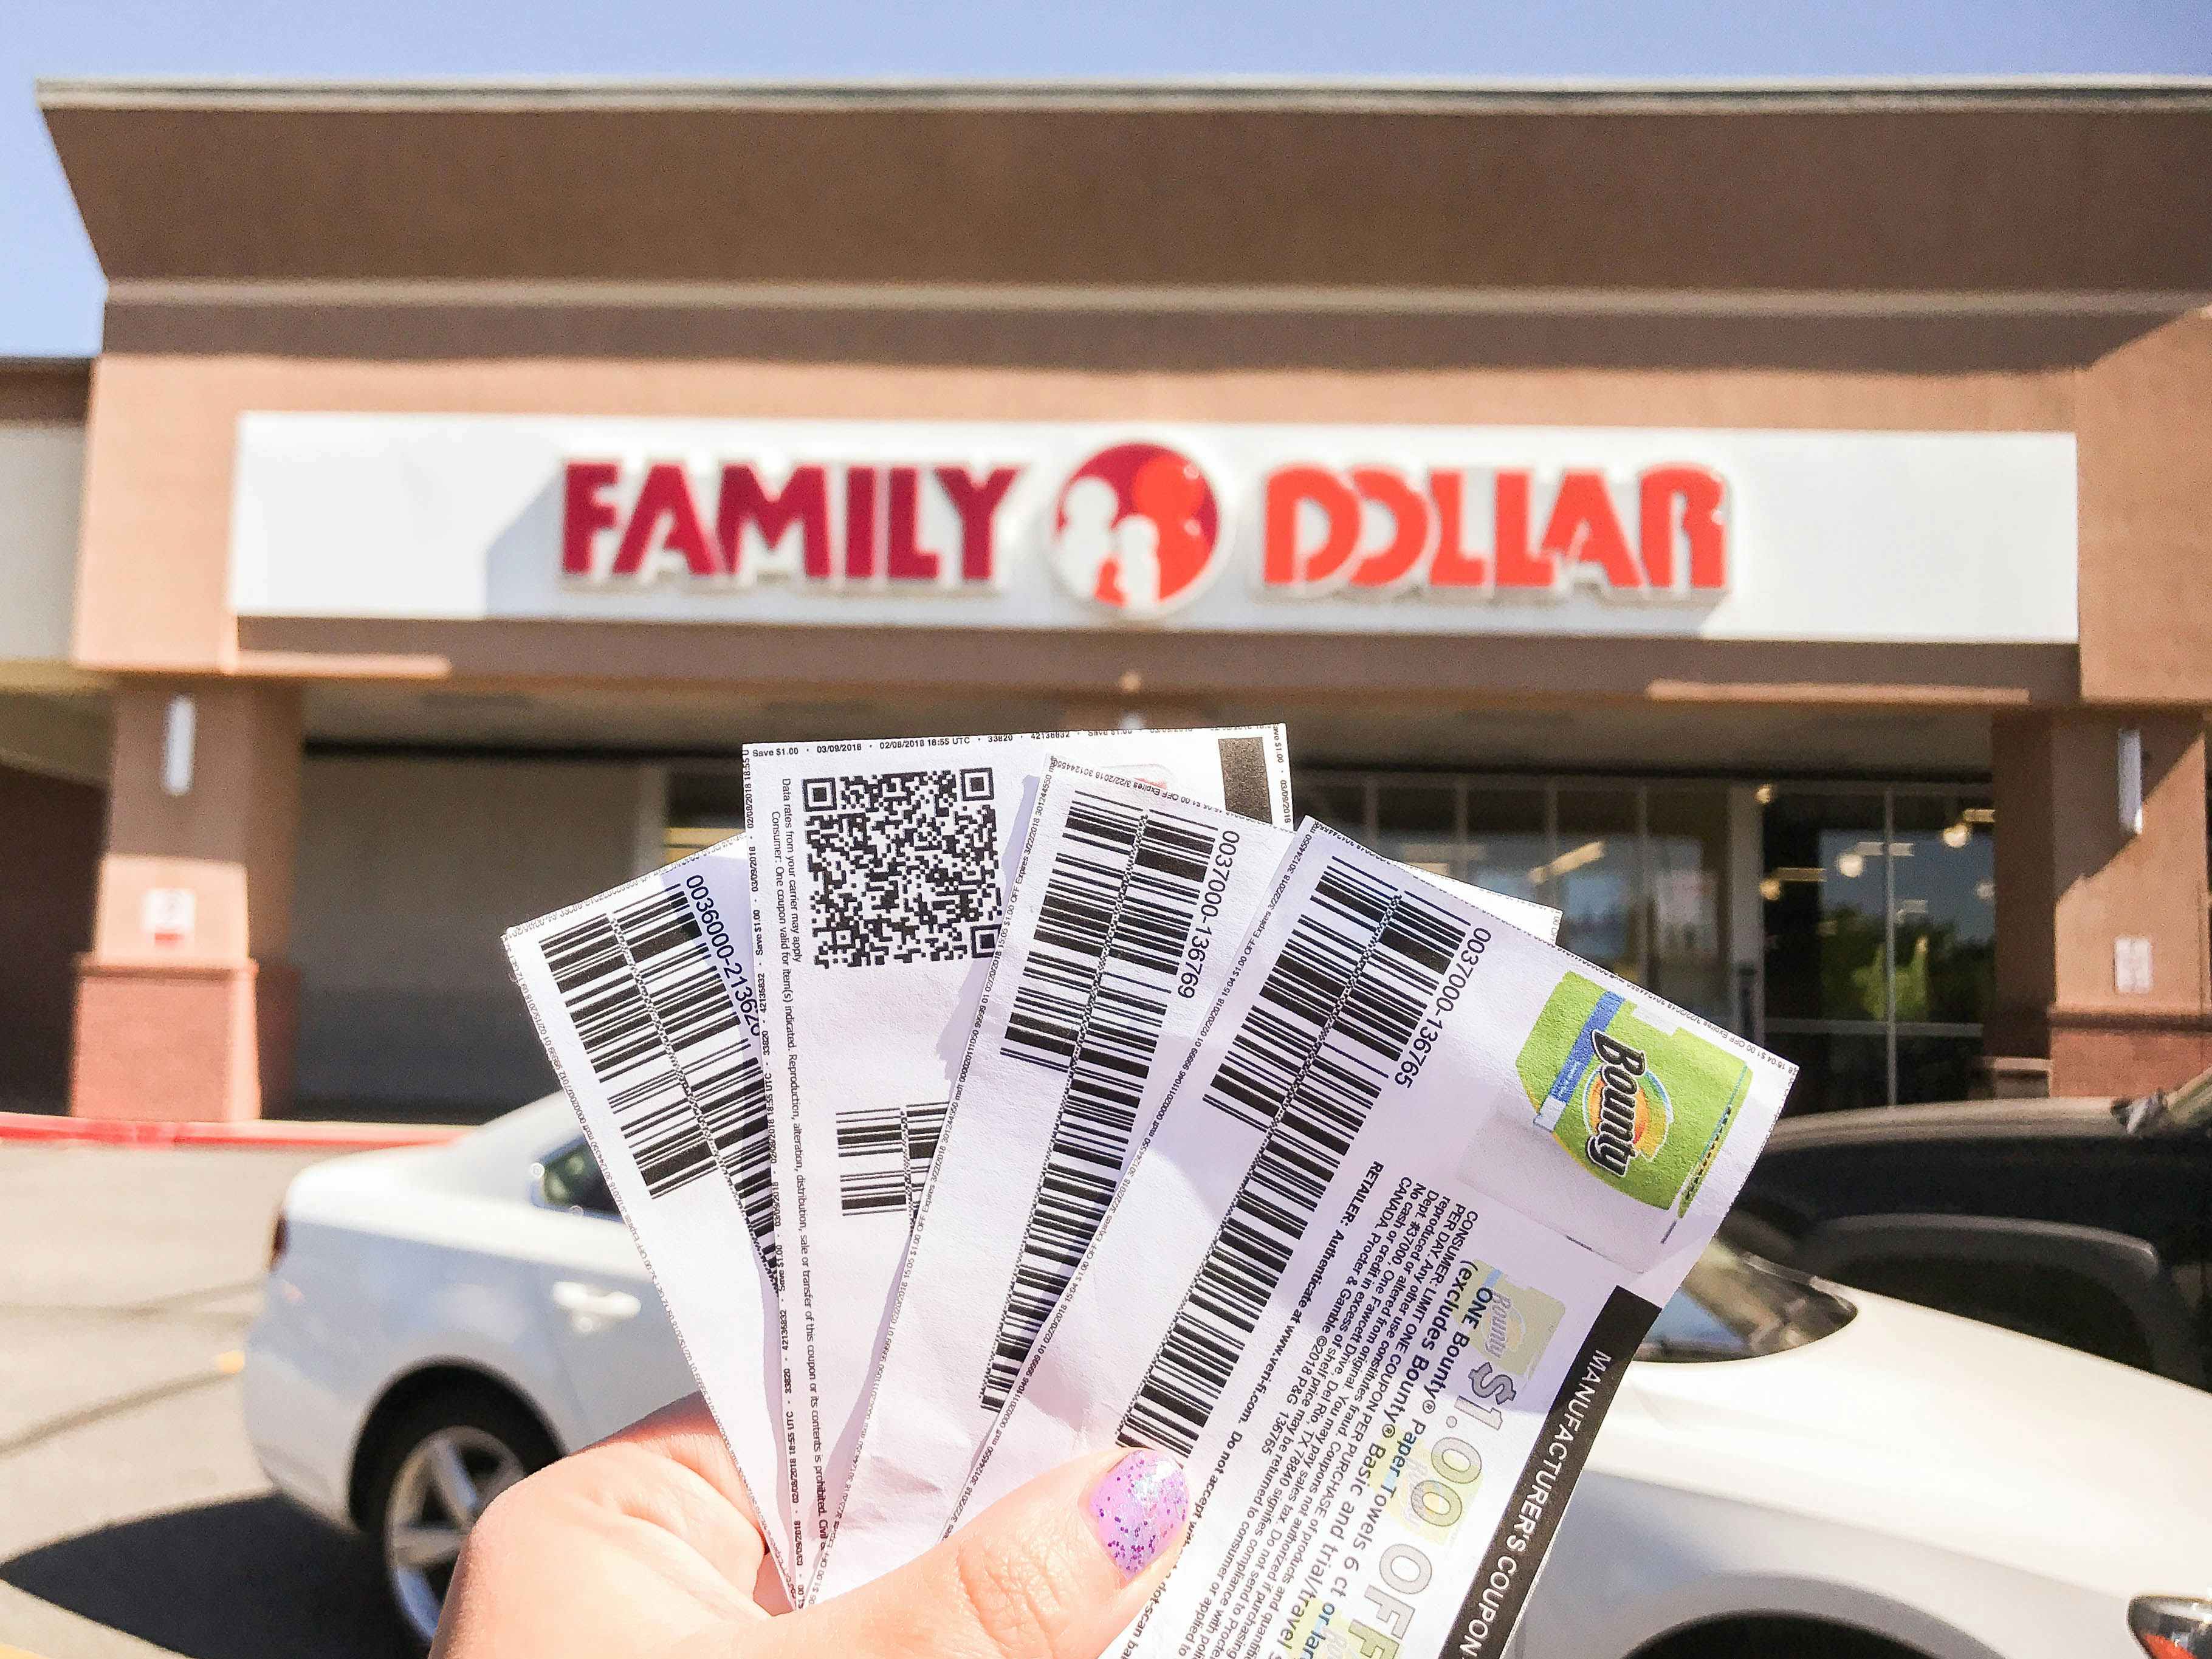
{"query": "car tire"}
{"type": "Point", "coordinates": [435, 1467]}
{"type": "Point", "coordinates": [1756, 1637]}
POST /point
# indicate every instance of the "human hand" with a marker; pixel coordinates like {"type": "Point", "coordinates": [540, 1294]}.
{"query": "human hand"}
{"type": "Point", "coordinates": [646, 1546]}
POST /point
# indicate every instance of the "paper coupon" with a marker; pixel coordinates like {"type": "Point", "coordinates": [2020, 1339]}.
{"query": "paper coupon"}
{"type": "Point", "coordinates": [878, 882]}
{"type": "Point", "coordinates": [644, 1001]}
{"type": "Point", "coordinates": [1343, 1284]}
{"type": "Point", "coordinates": [722, 1070]}
{"type": "Point", "coordinates": [1127, 913]}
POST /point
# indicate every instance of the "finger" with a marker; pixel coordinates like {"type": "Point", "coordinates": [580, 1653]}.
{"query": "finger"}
{"type": "Point", "coordinates": [1055, 1570]}
{"type": "Point", "coordinates": [686, 1432]}
{"type": "Point", "coordinates": [629, 1546]}
{"type": "Point", "coordinates": [630, 1470]}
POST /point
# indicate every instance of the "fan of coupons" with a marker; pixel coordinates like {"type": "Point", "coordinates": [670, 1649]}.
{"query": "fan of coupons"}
{"type": "Point", "coordinates": [997, 1099]}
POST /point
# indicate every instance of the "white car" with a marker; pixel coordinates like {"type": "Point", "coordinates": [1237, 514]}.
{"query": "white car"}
{"type": "Point", "coordinates": [1787, 1470]}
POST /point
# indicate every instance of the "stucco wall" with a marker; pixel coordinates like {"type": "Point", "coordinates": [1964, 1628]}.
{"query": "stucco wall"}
{"type": "Point", "coordinates": [2145, 424]}
{"type": "Point", "coordinates": [410, 870]}
{"type": "Point", "coordinates": [41, 479]}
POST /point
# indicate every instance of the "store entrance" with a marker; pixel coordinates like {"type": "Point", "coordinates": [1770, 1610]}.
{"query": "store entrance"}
{"type": "Point", "coordinates": [1881, 948]}
{"type": "Point", "coordinates": [45, 921]}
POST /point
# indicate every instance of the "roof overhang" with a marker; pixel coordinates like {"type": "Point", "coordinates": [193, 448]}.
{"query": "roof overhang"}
{"type": "Point", "coordinates": [2027, 187]}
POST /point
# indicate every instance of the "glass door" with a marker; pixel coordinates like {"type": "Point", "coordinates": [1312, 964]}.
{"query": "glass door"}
{"type": "Point", "coordinates": [1880, 907]}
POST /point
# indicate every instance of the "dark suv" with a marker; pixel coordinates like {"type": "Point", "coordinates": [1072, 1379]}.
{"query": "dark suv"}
{"type": "Point", "coordinates": [2087, 1222]}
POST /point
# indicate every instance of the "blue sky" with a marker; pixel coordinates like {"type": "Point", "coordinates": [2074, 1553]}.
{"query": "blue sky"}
{"type": "Point", "coordinates": [50, 284]}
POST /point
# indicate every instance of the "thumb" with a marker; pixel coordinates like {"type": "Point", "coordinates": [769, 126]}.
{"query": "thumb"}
{"type": "Point", "coordinates": [1053, 1570]}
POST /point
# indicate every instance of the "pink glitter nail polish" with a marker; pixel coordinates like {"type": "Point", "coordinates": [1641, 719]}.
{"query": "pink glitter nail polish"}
{"type": "Point", "coordinates": [1138, 1509]}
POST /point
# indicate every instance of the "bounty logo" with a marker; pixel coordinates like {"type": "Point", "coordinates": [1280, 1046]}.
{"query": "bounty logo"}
{"type": "Point", "coordinates": [1627, 1105]}
{"type": "Point", "coordinates": [1137, 529]}
{"type": "Point", "coordinates": [1643, 1109]}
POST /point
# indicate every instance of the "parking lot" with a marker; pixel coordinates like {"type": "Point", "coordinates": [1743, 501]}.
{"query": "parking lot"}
{"type": "Point", "coordinates": [133, 1520]}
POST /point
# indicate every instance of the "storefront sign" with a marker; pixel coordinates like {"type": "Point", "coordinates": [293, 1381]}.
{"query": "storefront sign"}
{"type": "Point", "coordinates": [1781, 535]}
{"type": "Point", "coordinates": [1137, 527]}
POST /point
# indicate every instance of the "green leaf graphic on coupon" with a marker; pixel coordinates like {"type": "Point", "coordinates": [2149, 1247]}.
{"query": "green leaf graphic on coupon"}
{"type": "Point", "coordinates": [1645, 1110]}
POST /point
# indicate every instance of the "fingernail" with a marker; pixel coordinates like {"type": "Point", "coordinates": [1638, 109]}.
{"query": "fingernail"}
{"type": "Point", "coordinates": [1138, 1508]}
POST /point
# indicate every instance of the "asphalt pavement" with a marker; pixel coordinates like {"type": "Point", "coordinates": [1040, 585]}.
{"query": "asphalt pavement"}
{"type": "Point", "coordinates": [133, 1518]}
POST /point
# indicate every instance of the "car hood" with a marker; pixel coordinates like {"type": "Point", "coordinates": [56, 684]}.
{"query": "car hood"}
{"type": "Point", "coordinates": [2070, 1118]}
{"type": "Point", "coordinates": [1957, 1435]}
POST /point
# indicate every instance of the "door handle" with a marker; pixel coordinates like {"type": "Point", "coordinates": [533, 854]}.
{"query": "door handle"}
{"type": "Point", "coordinates": [591, 1309]}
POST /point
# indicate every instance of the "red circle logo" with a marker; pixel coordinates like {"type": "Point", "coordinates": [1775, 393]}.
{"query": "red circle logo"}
{"type": "Point", "coordinates": [1137, 529]}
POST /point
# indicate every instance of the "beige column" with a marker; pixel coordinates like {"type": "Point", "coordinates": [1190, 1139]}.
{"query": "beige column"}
{"type": "Point", "coordinates": [2079, 893]}
{"type": "Point", "coordinates": [186, 1005]}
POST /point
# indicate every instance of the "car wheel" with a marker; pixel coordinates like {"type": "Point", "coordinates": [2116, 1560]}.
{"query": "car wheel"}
{"type": "Point", "coordinates": [441, 1462]}
{"type": "Point", "coordinates": [1758, 1638]}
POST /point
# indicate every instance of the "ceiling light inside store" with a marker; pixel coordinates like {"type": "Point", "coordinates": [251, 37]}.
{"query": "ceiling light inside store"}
{"type": "Point", "coordinates": [1959, 834]}
{"type": "Point", "coordinates": [1770, 889]}
{"type": "Point", "coordinates": [1573, 858]}
{"type": "Point", "coordinates": [1984, 815]}
{"type": "Point", "coordinates": [1850, 866]}
{"type": "Point", "coordinates": [1764, 794]}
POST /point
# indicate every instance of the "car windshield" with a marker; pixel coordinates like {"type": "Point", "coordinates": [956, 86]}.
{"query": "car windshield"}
{"type": "Point", "coordinates": [2188, 1108]}
{"type": "Point", "coordinates": [570, 1179]}
{"type": "Point", "coordinates": [2193, 1113]}
{"type": "Point", "coordinates": [1735, 1306]}
{"type": "Point", "coordinates": [2183, 1111]}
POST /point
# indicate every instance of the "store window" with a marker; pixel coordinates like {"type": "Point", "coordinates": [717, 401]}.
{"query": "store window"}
{"type": "Point", "coordinates": [1638, 872]}
{"type": "Point", "coordinates": [1686, 853]}
{"type": "Point", "coordinates": [1880, 910]}
{"type": "Point", "coordinates": [1509, 840]}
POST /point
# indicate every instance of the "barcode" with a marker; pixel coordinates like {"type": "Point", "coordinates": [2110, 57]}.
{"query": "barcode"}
{"type": "Point", "coordinates": [1387, 951]}
{"type": "Point", "coordinates": [645, 1093]}
{"type": "Point", "coordinates": [1303, 987]}
{"type": "Point", "coordinates": [1118, 904]}
{"type": "Point", "coordinates": [733, 1097]}
{"type": "Point", "coordinates": [871, 1159]}
{"type": "Point", "coordinates": [715, 1054]}
{"type": "Point", "coordinates": [924, 1127]}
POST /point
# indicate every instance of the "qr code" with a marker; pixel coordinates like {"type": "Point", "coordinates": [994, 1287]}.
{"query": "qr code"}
{"type": "Point", "coordinates": [904, 867]}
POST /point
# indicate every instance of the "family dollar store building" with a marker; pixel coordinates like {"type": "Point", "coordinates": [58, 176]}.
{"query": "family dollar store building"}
{"type": "Point", "coordinates": [1769, 524]}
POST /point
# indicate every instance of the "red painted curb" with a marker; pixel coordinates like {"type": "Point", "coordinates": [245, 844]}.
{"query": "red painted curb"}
{"type": "Point", "coordinates": [266, 1133]}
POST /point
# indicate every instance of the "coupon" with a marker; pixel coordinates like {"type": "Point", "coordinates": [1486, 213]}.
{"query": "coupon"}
{"type": "Point", "coordinates": [879, 874]}
{"type": "Point", "coordinates": [1416, 1193]}
{"type": "Point", "coordinates": [721, 1067]}
{"type": "Point", "coordinates": [644, 1001]}
{"type": "Point", "coordinates": [1127, 912]}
